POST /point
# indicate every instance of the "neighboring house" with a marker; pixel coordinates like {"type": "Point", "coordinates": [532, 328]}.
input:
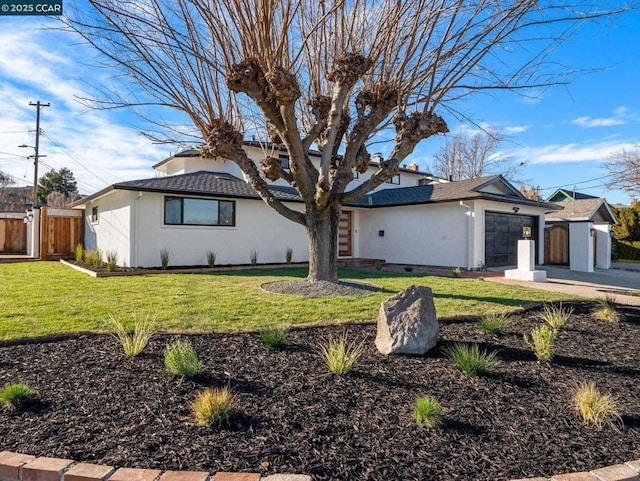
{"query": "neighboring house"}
{"type": "Point", "coordinates": [15, 199]}
{"type": "Point", "coordinates": [203, 205]}
{"type": "Point", "coordinates": [579, 235]}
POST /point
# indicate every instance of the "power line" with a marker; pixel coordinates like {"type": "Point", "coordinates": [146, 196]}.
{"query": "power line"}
{"type": "Point", "coordinates": [76, 161]}
{"type": "Point", "coordinates": [571, 184]}
{"type": "Point", "coordinates": [15, 155]}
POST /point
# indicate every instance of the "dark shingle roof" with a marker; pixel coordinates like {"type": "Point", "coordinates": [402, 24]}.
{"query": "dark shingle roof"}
{"type": "Point", "coordinates": [206, 183]}
{"type": "Point", "coordinates": [446, 192]}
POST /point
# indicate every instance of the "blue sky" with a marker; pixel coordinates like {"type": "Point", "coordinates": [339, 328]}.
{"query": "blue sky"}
{"type": "Point", "coordinates": [564, 133]}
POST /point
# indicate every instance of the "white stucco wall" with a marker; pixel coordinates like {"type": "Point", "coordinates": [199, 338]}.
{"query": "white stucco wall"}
{"type": "Point", "coordinates": [257, 227]}
{"type": "Point", "coordinates": [580, 246]}
{"type": "Point", "coordinates": [603, 246]}
{"type": "Point", "coordinates": [113, 229]}
{"type": "Point", "coordinates": [434, 234]}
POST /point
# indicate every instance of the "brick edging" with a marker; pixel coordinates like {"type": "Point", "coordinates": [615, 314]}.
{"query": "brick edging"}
{"type": "Point", "coordinates": [24, 467]}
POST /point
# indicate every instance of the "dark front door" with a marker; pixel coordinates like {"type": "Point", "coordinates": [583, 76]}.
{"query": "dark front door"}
{"type": "Point", "coordinates": [501, 235]}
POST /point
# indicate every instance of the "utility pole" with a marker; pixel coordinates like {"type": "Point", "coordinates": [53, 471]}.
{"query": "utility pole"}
{"type": "Point", "coordinates": [38, 105]}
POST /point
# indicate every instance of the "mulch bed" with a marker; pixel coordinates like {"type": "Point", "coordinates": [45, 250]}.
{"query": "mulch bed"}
{"type": "Point", "coordinates": [293, 416]}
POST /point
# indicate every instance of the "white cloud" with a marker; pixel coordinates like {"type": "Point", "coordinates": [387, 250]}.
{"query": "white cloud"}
{"type": "Point", "coordinates": [618, 118]}
{"type": "Point", "coordinates": [572, 152]}
{"type": "Point", "coordinates": [516, 129]}
{"type": "Point", "coordinates": [96, 145]}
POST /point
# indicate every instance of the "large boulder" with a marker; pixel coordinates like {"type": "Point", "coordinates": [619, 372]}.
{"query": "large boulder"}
{"type": "Point", "coordinates": [407, 322]}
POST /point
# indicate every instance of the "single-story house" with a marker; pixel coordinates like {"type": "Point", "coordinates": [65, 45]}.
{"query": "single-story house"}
{"type": "Point", "coordinates": [579, 235]}
{"type": "Point", "coordinates": [199, 205]}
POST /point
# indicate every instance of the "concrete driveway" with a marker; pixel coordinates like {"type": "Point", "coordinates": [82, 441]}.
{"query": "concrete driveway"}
{"type": "Point", "coordinates": [622, 281]}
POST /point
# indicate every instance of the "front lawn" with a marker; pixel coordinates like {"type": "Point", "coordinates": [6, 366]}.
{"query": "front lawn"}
{"type": "Point", "coordinates": [44, 298]}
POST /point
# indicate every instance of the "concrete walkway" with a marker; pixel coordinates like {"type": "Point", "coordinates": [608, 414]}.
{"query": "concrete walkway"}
{"type": "Point", "coordinates": [622, 281]}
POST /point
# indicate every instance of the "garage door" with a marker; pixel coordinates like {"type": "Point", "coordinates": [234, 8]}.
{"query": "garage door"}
{"type": "Point", "coordinates": [501, 235]}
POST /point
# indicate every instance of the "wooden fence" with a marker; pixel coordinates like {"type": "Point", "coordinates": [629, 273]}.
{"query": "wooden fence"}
{"type": "Point", "coordinates": [13, 236]}
{"type": "Point", "coordinates": [60, 231]}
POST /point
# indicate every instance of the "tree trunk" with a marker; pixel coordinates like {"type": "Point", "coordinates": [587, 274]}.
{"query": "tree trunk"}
{"type": "Point", "coordinates": [322, 230]}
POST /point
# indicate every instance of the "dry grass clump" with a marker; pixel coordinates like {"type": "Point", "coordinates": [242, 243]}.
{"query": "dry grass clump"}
{"type": "Point", "coordinates": [133, 341]}
{"type": "Point", "coordinates": [594, 407]}
{"type": "Point", "coordinates": [556, 316]}
{"type": "Point", "coordinates": [542, 340]}
{"type": "Point", "coordinates": [212, 406]}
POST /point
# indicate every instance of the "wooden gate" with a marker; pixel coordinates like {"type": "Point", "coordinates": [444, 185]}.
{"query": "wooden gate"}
{"type": "Point", "coordinates": [556, 245]}
{"type": "Point", "coordinates": [13, 236]}
{"type": "Point", "coordinates": [60, 232]}
{"type": "Point", "coordinates": [344, 234]}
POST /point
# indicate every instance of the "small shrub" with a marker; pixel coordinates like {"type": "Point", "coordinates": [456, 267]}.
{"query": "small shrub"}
{"type": "Point", "coordinates": [456, 272]}
{"type": "Point", "coordinates": [212, 405]}
{"type": "Point", "coordinates": [89, 255]}
{"type": "Point", "coordinates": [606, 313]}
{"type": "Point", "coordinates": [112, 261]}
{"type": "Point", "coordinates": [15, 396]}
{"type": "Point", "coordinates": [556, 316]}
{"type": "Point", "coordinates": [253, 256]}
{"type": "Point", "coordinates": [133, 341]}
{"type": "Point", "coordinates": [593, 406]}
{"type": "Point", "coordinates": [288, 255]}
{"type": "Point", "coordinates": [471, 359]}
{"type": "Point", "coordinates": [480, 278]}
{"type": "Point", "coordinates": [78, 252]}
{"type": "Point", "coordinates": [97, 260]}
{"type": "Point", "coordinates": [427, 412]}
{"type": "Point", "coordinates": [542, 340]}
{"type": "Point", "coordinates": [378, 265]}
{"type": "Point", "coordinates": [607, 310]}
{"type": "Point", "coordinates": [164, 259]}
{"type": "Point", "coordinates": [408, 268]}
{"type": "Point", "coordinates": [339, 354]}
{"type": "Point", "coordinates": [274, 337]}
{"type": "Point", "coordinates": [181, 359]}
{"type": "Point", "coordinates": [211, 259]}
{"type": "Point", "coordinates": [495, 323]}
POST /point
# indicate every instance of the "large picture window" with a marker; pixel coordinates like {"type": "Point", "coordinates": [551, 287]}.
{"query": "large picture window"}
{"type": "Point", "coordinates": [188, 211]}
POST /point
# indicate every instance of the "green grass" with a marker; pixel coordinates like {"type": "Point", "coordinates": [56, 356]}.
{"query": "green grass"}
{"type": "Point", "coordinates": [181, 359]}
{"type": "Point", "coordinates": [471, 359]}
{"type": "Point", "coordinates": [556, 316]}
{"type": "Point", "coordinates": [274, 336]}
{"type": "Point", "coordinates": [135, 337]}
{"type": "Point", "coordinates": [495, 323]}
{"type": "Point", "coordinates": [45, 298]}
{"type": "Point", "coordinates": [339, 354]}
{"type": "Point", "coordinates": [427, 412]}
{"type": "Point", "coordinates": [15, 396]}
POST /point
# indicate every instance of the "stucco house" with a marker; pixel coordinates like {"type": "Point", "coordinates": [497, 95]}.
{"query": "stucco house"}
{"type": "Point", "coordinates": [198, 205]}
{"type": "Point", "coordinates": [579, 234]}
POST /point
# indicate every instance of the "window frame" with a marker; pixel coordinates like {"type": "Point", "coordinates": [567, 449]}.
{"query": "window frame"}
{"type": "Point", "coordinates": [391, 180]}
{"type": "Point", "coordinates": [95, 215]}
{"type": "Point", "coordinates": [167, 198]}
{"type": "Point", "coordinates": [284, 159]}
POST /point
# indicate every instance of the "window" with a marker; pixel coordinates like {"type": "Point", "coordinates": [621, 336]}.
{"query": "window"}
{"type": "Point", "coordinates": [188, 211]}
{"type": "Point", "coordinates": [393, 180]}
{"type": "Point", "coordinates": [94, 215]}
{"type": "Point", "coordinates": [285, 161]}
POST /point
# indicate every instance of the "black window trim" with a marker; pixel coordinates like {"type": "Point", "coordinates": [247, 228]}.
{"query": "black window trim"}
{"type": "Point", "coordinates": [182, 198]}
{"type": "Point", "coordinates": [390, 180]}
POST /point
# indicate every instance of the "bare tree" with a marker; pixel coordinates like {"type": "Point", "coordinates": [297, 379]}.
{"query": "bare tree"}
{"type": "Point", "coordinates": [624, 170]}
{"type": "Point", "coordinates": [532, 192]}
{"type": "Point", "coordinates": [468, 156]}
{"type": "Point", "coordinates": [60, 199]}
{"type": "Point", "coordinates": [328, 75]}
{"type": "Point", "coordinates": [5, 180]}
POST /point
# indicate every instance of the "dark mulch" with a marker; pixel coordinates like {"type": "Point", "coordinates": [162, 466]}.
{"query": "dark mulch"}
{"type": "Point", "coordinates": [292, 416]}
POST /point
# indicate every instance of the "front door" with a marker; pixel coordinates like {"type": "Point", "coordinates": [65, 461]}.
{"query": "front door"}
{"type": "Point", "coordinates": [345, 234]}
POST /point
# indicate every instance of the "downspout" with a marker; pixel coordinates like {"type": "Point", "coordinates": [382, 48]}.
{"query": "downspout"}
{"type": "Point", "coordinates": [134, 231]}
{"type": "Point", "coordinates": [469, 225]}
